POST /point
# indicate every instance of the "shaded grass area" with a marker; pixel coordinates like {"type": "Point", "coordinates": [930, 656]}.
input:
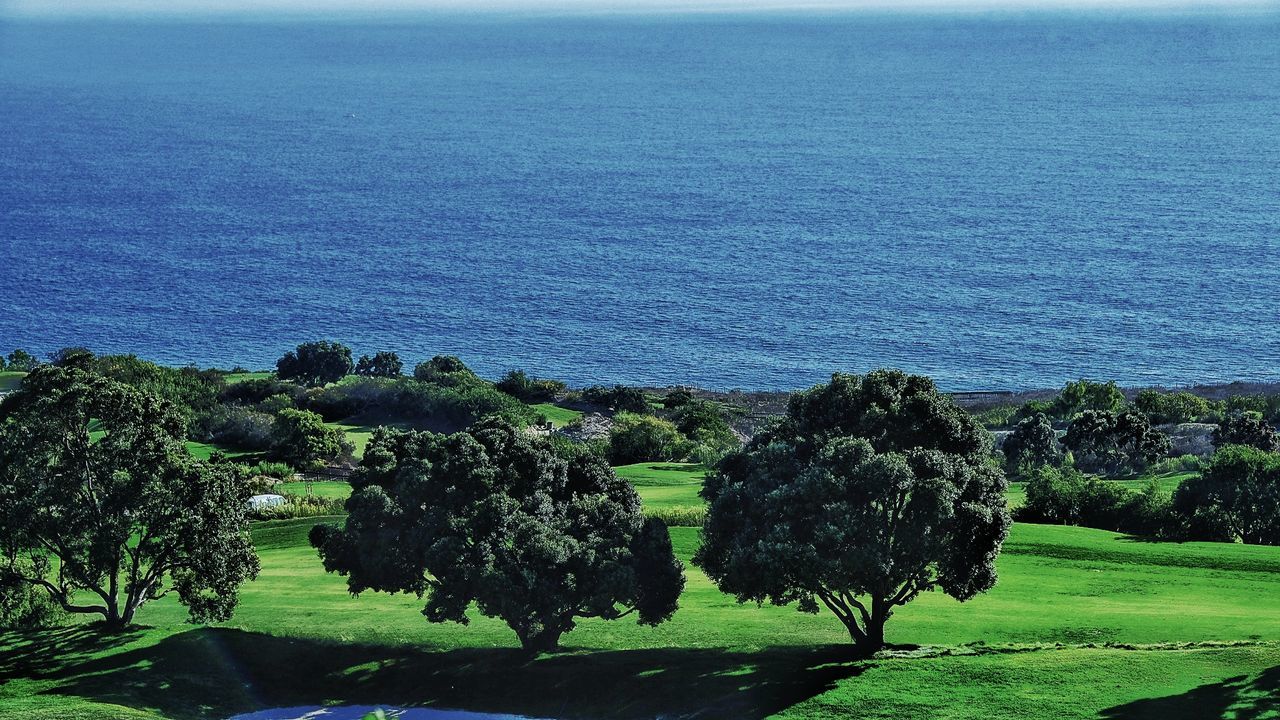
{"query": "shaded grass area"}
{"type": "Point", "coordinates": [330, 489]}
{"type": "Point", "coordinates": [299, 638]}
{"type": "Point", "coordinates": [10, 381]}
{"type": "Point", "coordinates": [559, 416]}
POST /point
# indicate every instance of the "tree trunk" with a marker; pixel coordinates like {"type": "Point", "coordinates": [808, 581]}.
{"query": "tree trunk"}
{"type": "Point", "coordinates": [542, 642]}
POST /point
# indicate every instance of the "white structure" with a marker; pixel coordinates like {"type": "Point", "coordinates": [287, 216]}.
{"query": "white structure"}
{"type": "Point", "coordinates": [257, 502]}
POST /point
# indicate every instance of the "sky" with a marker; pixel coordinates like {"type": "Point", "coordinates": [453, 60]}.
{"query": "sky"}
{"type": "Point", "coordinates": [56, 8]}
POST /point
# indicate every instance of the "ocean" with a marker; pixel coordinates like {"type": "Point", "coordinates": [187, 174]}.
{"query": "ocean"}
{"type": "Point", "coordinates": [1001, 200]}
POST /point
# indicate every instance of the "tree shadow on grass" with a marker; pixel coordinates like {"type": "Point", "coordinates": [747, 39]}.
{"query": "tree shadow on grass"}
{"type": "Point", "coordinates": [41, 652]}
{"type": "Point", "coordinates": [215, 673]}
{"type": "Point", "coordinates": [1238, 698]}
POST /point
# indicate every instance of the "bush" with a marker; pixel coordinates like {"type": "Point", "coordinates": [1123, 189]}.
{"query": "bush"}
{"type": "Point", "coordinates": [1001, 416]}
{"type": "Point", "coordinates": [300, 507]}
{"type": "Point", "coordinates": [1246, 429]}
{"type": "Point", "coordinates": [708, 431]}
{"type": "Point", "coordinates": [1236, 497]}
{"type": "Point", "coordinates": [301, 438]}
{"type": "Point", "coordinates": [1065, 496]}
{"type": "Point", "coordinates": [235, 426]}
{"type": "Point", "coordinates": [276, 470]}
{"type": "Point", "coordinates": [1266, 407]}
{"type": "Point", "coordinates": [20, 361]}
{"type": "Point", "coordinates": [1179, 464]}
{"type": "Point", "coordinates": [639, 438]}
{"type": "Point", "coordinates": [26, 607]}
{"type": "Point", "coordinates": [447, 371]}
{"type": "Point", "coordinates": [189, 389]}
{"type": "Point", "coordinates": [1082, 395]}
{"type": "Point", "coordinates": [1169, 408]}
{"type": "Point", "coordinates": [677, 398]}
{"type": "Point", "coordinates": [519, 385]}
{"type": "Point", "coordinates": [618, 398]}
{"type": "Point", "coordinates": [257, 391]}
{"type": "Point", "coordinates": [679, 516]}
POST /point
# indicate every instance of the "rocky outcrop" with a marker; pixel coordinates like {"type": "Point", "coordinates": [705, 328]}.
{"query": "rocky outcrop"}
{"type": "Point", "coordinates": [1190, 438]}
{"type": "Point", "coordinates": [589, 427]}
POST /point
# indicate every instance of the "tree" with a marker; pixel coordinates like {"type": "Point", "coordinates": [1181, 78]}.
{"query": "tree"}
{"type": "Point", "coordinates": [121, 513]}
{"type": "Point", "coordinates": [494, 517]}
{"type": "Point", "coordinates": [709, 433]}
{"type": "Point", "coordinates": [1107, 442]}
{"type": "Point", "coordinates": [1033, 443]}
{"type": "Point", "coordinates": [637, 438]}
{"type": "Point", "coordinates": [382, 364]}
{"type": "Point", "coordinates": [445, 370]}
{"type": "Point", "coordinates": [300, 438]}
{"type": "Point", "coordinates": [520, 385]}
{"type": "Point", "coordinates": [21, 361]}
{"type": "Point", "coordinates": [870, 491]}
{"type": "Point", "coordinates": [1169, 408]}
{"type": "Point", "coordinates": [316, 363]}
{"type": "Point", "coordinates": [677, 398]}
{"type": "Point", "coordinates": [1248, 430]}
{"type": "Point", "coordinates": [1081, 395]}
{"type": "Point", "coordinates": [618, 398]}
{"type": "Point", "coordinates": [73, 357]}
{"type": "Point", "coordinates": [1238, 492]}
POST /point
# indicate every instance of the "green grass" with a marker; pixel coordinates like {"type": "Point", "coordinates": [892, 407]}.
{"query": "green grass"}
{"type": "Point", "coordinates": [1083, 623]}
{"type": "Point", "coordinates": [233, 378]}
{"type": "Point", "coordinates": [336, 489]}
{"type": "Point", "coordinates": [558, 416]}
{"type": "Point", "coordinates": [10, 380]}
{"type": "Point", "coordinates": [668, 490]}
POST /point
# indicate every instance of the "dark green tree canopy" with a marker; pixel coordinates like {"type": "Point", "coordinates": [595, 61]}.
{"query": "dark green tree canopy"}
{"type": "Point", "coordinates": [445, 370]}
{"type": "Point", "coordinates": [1239, 494]}
{"type": "Point", "coordinates": [1115, 443]}
{"type": "Point", "coordinates": [494, 517]}
{"type": "Point", "coordinates": [1033, 443]}
{"type": "Point", "coordinates": [316, 363]}
{"type": "Point", "coordinates": [21, 361]}
{"type": "Point", "coordinates": [618, 398]}
{"type": "Point", "coordinates": [109, 518]}
{"type": "Point", "coordinates": [1165, 408]}
{"type": "Point", "coordinates": [300, 438]}
{"type": "Point", "coordinates": [872, 490]}
{"type": "Point", "coordinates": [1081, 395]}
{"type": "Point", "coordinates": [1246, 429]}
{"type": "Point", "coordinates": [382, 364]}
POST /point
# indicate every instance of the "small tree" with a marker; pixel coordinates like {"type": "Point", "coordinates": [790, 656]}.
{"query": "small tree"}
{"type": "Point", "coordinates": [316, 363]}
{"type": "Point", "coordinates": [122, 514]}
{"type": "Point", "coordinates": [1246, 429]}
{"type": "Point", "coordinates": [1111, 443]}
{"type": "Point", "coordinates": [495, 517]}
{"type": "Point", "coordinates": [1033, 443]}
{"type": "Point", "coordinates": [300, 438]}
{"type": "Point", "coordinates": [1239, 491]}
{"type": "Point", "coordinates": [445, 370]}
{"type": "Point", "coordinates": [519, 384]}
{"type": "Point", "coordinates": [382, 364]}
{"type": "Point", "coordinates": [1169, 408]}
{"type": "Point", "coordinates": [618, 398]}
{"type": "Point", "coordinates": [1081, 395]}
{"type": "Point", "coordinates": [872, 490]}
{"type": "Point", "coordinates": [637, 438]}
{"type": "Point", "coordinates": [21, 361]}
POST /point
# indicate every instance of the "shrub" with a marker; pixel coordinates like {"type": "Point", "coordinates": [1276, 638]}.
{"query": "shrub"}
{"type": "Point", "coordinates": [1001, 416]}
{"type": "Point", "coordinates": [1237, 495]}
{"type": "Point", "coordinates": [277, 470]}
{"type": "Point", "coordinates": [1246, 429]}
{"type": "Point", "coordinates": [529, 389]}
{"type": "Point", "coordinates": [638, 438]}
{"type": "Point", "coordinates": [296, 506]}
{"type": "Point", "coordinates": [301, 438]}
{"type": "Point", "coordinates": [316, 363]}
{"type": "Point", "coordinates": [256, 391]}
{"type": "Point", "coordinates": [1081, 395]}
{"type": "Point", "coordinates": [679, 516]}
{"type": "Point", "coordinates": [677, 398]}
{"type": "Point", "coordinates": [235, 426]}
{"type": "Point", "coordinates": [618, 398]}
{"type": "Point", "coordinates": [1169, 408]}
{"type": "Point", "coordinates": [26, 607]}
{"type": "Point", "coordinates": [1179, 464]}
{"type": "Point", "coordinates": [1064, 496]}
{"type": "Point", "coordinates": [447, 371]}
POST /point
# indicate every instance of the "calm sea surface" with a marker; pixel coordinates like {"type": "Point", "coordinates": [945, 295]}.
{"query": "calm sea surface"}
{"type": "Point", "coordinates": [752, 201]}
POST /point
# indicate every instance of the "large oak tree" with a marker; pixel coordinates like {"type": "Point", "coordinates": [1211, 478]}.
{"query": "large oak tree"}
{"type": "Point", "coordinates": [493, 517]}
{"type": "Point", "coordinates": [871, 490]}
{"type": "Point", "coordinates": [102, 506]}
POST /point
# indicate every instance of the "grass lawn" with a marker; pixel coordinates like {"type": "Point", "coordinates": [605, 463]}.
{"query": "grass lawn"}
{"type": "Point", "coordinates": [558, 416]}
{"type": "Point", "coordinates": [10, 380]}
{"type": "Point", "coordinates": [337, 489]}
{"type": "Point", "coordinates": [233, 378]}
{"type": "Point", "coordinates": [1083, 624]}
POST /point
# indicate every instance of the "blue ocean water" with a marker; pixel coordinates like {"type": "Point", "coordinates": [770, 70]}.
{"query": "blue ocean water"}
{"type": "Point", "coordinates": [1001, 201]}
